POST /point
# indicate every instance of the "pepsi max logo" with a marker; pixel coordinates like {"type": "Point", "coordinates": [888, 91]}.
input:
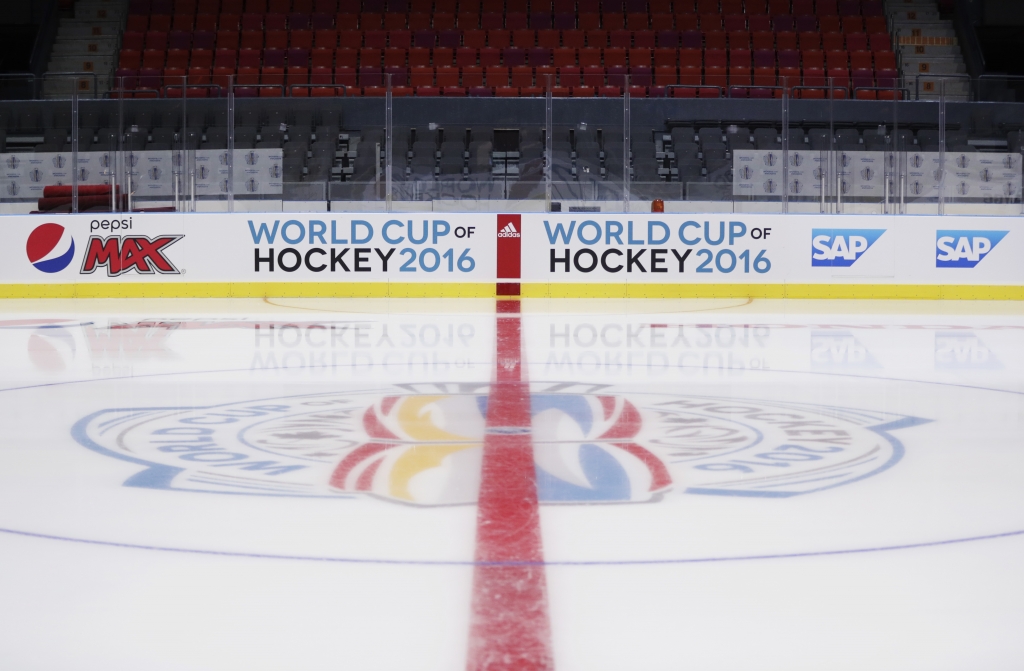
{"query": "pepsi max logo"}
{"type": "Point", "coordinates": [964, 249]}
{"type": "Point", "coordinates": [50, 248]}
{"type": "Point", "coordinates": [841, 248]}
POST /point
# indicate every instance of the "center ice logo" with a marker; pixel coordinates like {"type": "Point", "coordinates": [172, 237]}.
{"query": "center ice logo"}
{"type": "Point", "coordinates": [50, 248]}
{"type": "Point", "coordinates": [841, 248]}
{"type": "Point", "coordinates": [964, 249]}
{"type": "Point", "coordinates": [423, 445]}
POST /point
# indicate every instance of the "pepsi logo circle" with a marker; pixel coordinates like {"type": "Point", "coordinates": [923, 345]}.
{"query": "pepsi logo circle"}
{"type": "Point", "coordinates": [50, 248]}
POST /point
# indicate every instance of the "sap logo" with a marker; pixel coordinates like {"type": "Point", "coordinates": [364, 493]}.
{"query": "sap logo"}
{"type": "Point", "coordinates": [964, 249]}
{"type": "Point", "coordinates": [840, 350]}
{"type": "Point", "coordinates": [838, 247]}
{"type": "Point", "coordinates": [121, 254]}
{"type": "Point", "coordinates": [958, 351]}
{"type": "Point", "coordinates": [50, 248]}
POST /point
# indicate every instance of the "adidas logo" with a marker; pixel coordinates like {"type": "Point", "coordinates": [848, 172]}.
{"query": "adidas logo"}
{"type": "Point", "coordinates": [509, 231]}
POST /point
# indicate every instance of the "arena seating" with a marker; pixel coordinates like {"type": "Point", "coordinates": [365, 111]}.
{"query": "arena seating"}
{"type": "Point", "coordinates": [578, 48]}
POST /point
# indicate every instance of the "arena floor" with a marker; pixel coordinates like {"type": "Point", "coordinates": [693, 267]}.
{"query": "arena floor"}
{"type": "Point", "coordinates": [423, 485]}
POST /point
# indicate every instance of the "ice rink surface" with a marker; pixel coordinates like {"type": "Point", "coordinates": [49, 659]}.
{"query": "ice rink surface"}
{"type": "Point", "coordinates": [575, 485]}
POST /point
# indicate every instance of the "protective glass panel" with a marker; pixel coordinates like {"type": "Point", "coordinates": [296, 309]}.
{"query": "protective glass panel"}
{"type": "Point", "coordinates": [592, 155]}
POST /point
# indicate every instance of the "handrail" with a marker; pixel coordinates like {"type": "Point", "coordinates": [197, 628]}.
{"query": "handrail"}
{"type": "Point", "coordinates": [292, 87]}
{"type": "Point", "coordinates": [236, 86]}
{"type": "Point", "coordinates": [76, 76]}
{"type": "Point", "coordinates": [194, 86]}
{"type": "Point", "coordinates": [775, 87]}
{"type": "Point", "coordinates": [904, 91]}
{"type": "Point", "coordinates": [693, 86]}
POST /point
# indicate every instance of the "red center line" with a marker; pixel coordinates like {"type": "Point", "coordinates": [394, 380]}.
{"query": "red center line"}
{"type": "Point", "coordinates": [510, 629]}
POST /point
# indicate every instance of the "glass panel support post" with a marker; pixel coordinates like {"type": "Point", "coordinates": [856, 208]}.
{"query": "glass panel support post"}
{"type": "Point", "coordinates": [785, 151]}
{"type": "Point", "coordinates": [627, 144]}
{"type": "Point", "coordinates": [74, 148]}
{"type": "Point", "coordinates": [548, 132]}
{"type": "Point", "coordinates": [388, 129]}
{"type": "Point", "coordinates": [942, 147]}
{"type": "Point", "coordinates": [230, 158]}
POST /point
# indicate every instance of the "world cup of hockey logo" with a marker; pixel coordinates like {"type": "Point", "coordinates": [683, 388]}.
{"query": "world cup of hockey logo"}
{"type": "Point", "coordinates": [962, 161]}
{"type": "Point", "coordinates": [915, 187]}
{"type": "Point", "coordinates": [770, 186]}
{"type": "Point", "coordinates": [154, 173]}
{"type": "Point", "coordinates": [133, 160]}
{"type": "Point", "coordinates": [59, 161]}
{"type": "Point", "coordinates": [202, 172]}
{"type": "Point", "coordinates": [35, 175]}
{"type": "Point", "coordinates": [83, 175]}
{"type": "Point", "coordinates": [796, 159]}
{"type": "Point", "coordinates": [985, 175]}
{"type": "Point", "coordinates": [915, 160]}
{"type": "Point", "coordinates": [104, 160]}
{"type": "Point", "coordinates": [962, 188]}
{"type": "Point", "coordinates": [13, 162]}
{"type": "Point", "coordinates": [252, 186]}
{"type": "Point", "coordinates": [770, 159]}
{"type": "Point", "coordinates": [13, 189]}
{"type": "Point", "coordinates": [224, 186]}
{"type": "Point", "coordinates": [275, 172]}
{"type": "Point", "coordinates": [251, 158]}
{"type": "Point", "coordinates": [867, 174]}
{"type": "Point", "coordinates": [845, 187]}
{"type": "Point", "coordinates": [745, 172]}
{"type": "Point", "coordinates": [820, 173]}
{"type": "Point", "coordinates": [1010, 189]}
{"type": "Point", "coordinates": [1009, 161]}
{"type": "Point", "coordinates": [795, 186]}
{"type": "Point", "coordinates": [845, 160]}
{"type": "Point", "coordinates": [223, 158]}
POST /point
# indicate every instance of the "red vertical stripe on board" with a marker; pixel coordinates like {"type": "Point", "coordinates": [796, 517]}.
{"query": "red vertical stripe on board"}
{"type": "Point", "coordinates": [509, 250]}
{"type": "Point", "coordinates": [510, 628]}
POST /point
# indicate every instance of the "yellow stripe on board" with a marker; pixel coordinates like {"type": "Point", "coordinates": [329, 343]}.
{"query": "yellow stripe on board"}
{"type": "Point", "coordinates": [487, 290]}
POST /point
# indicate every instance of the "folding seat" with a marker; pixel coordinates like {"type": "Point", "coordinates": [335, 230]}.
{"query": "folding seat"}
{"type": "Point", "coordinates": [810, 40]}
{"type": "Point", "coordinates": [861, 60]}
{"type": "Point", "coordinates": [826, 8]}
{"type": "Point", "coordinates": [588, 21]}
{"type": "Point", "coordinates": [297, 75]}
{"type": "Point", "coordinates": [575, 39]}
{"type": "Point", "coordinates": [249, 58]}
{"type": "Point", "coordinates": [829, 24]}
{"type": "Point", "coordinates": [644, 38]}
{"type": "Point", "coordinates": [686, 22]}
{"type": "Point", "coordinates": [833, 41]}
{"type": "Point", "coordinates": [525, 38]}
{"type": "Point", "coordinates": [275, 22]}
{"type": "Point", "coordinates": [862, 78]}
{"type": "Point", "coordinates": [443, 21]}
{"type": "Point", "coordinates": [394, 21]}
{"type": "Point", "coordinates": [346, 57]}
{"type": "Point", "coordinates": [762, 40]}
{"type": "Point", "coordinates": [613, 21]}
{"type": "Point", "coordinates": [327, 38]}
{"type": "Point", "coordinates": [137, 23]}
{"type": "Point", "coordinates": [275, 39]}
{"type": "Point", "coordinates": [564, 56]}
{"type": "Point", "coordinates": [789, 58]}
{"type": "Point", "coordinates": [378, 39]}
{"type": "Point", "coordinates": [885, 60]}
{"type": "Point", "coordinates": [201, 58]}
{"type": "Point", "coordinates": [393, 57]}
{"type": "Point", "coordinates": [689, 75]}
{"type": "Point", "coordinates": [273, 58]}
{"type": "Point", "coordinates": [206, 22]}
{"type": "Point", "coordinates": [475, 39]}
{"type": "Point", "coordinates": [549, 39]}
{"type": "Point", "coordinates": [499, 38]}
{"type": "Point", "coordinates": [301, 38]}
{"type": "Point", "coordinates": [593, 75]}
{"type": "Point", "coordinates": [443, 56]}
{"type": "Point", "coordinates": [583, 91]}
{"type": "Point", "coordinates": [637, 21]}
{"type": "Point", "coordinates": [785, 40]}
{"type": "Point", "coordinates": [597, 38]}
{"type": "Point", "coordinates": [715, 76]}
{"type": "Point", "coordinates": [465, 56]}
{"type": "Point", "coordinates": [715, 40]}
{"type": "Point", "coordinates": [641, 75]}
{"type": "Point", "coordinates": [516, 21]}
{"type": "Point", "coordinates": [453, 92]}
{"type": "Point", "coordinates": [764, 58]}
{"type": "Point", "coordinates": [565, 22]}
{"type": "Point", "coordinates": [616, 75]}
{"type": "Point", "coordinates": [639, 56]}
{"type": "Point", "coordinates": [321, 21]}
{"type": "Point", "coordinates": [806, 23]}
{"type": "Point", "coordinates": [399, 76]}
{"type": "Point", "coordinates": [715, 58]}
{"type": "Point", "coordinates": [589, 56]}
{"type": "Point", "coordinates": [228, 39]}
{"type": "Point", "coordinates": [684, 92]}
{"type": "Point", "coordinates": [880, 42]}
{"type": "Point", "coordinates": [814, 76]}
{"type": "Point", "coordinates": [160, 22]}
{"type": "Point", "coordinates": [321, 75]}
{"type": "Point", "coordinates": [270, 75]}
{"type": "Point", "coordinates": [837, 58]}
{"type": "Point", "coordinates": [350, 38]}
{"type": "Point", "coordinates": [419, 21]}
{"type": "Point", "coordinates": [875, 24]}
{"type": "Point", "coordinates": [446, 75]}
{"type": "Point", "coordinates": [521, 75]}
{"type": "Point", "coordinates": [739, 75]}
{"type": "Point", "coordinates": [710, 22]}
{"type": "Point", "coordinates": [857, 42]}
{"type": "Point", "coordinates": [614, 57]}
{"type": "Point", "coordinates": [764, 76]}
{"type": "Point", "coordinates": [401, 39]}
{"type": "Point", "coordinates": [840, 77]}
{"type": "Point", "coordinates": [871, 8]}
{"type": "Point", "coordinates": [570, 75]}
{"type": "Point", "coordinates": [666, 57]}
{"type": "Point", "coordinates": [853, 24]}
{"type": "Point", "coordinates": [783, 22]}
{"type": "Point", "coordinates": [153, 58]}
{"type": "Point", "coordinates": [133, 41]}
{"type": "Point", "coordinates": [130, 59]}
{"type": "Point", "coordinates": [789, 77]}
{"type": "Point", "coordinates": [346, 21]}
{"type": "Point", "coordinates": [665, 75]}
{"type": "Point", "coordinates": [733, 22]}
{"type": "Point", "coordinates": [197, 75]}
{"type": "Point", "coordinates": [637, 91]}
{"type": "Point", "coordinates": [497, 76]}
{"type": "Point", "coordinates": [668, 39]}
{"type": "Point", "coordinates": [886, 76]}
{"type": "Point", "coordinates": [472, 75]}
{"type": "Point", "coordinates": [813, 58]}
{"type": "Point", "coordinates": [299, 21]}
{"type": "Point", "coordinates": [421, 76]}
{"type": "Point", "coordinates": [370, 76]}
{"type": "Point", "coordinates": [370, 21]}
{"type": "Point", "coordinates": [802, 7]}
{"type": "Point", "coordinates": [849, 8]}
{"type": "Point", "coordinates": [183, 22]}
{"type": "Point", "coordinates": [369, 56]}
{"type": "Point", "coordinates": [157, 39]}
{"type": "Point", "coordinates": [513, 56]}
{"type": "Point", "coordinates": [691, 58]}
{"type": "Point", "coordinates": [739, 38]}
{"type": "Point", "coordinates": [492, 21]}
{"type": "Point", "coordinates": [490, 56]}
{"type": "Point", "coordinates": [281, 6]}
{"type": "Point", "coordinates": [345, 75]}
{"type": "Point", "coordinates": [243, 76]}
{"type": "Point", "coordinates": [540, 20]}
{"type": "Point", "coordinates": [251, 39]}
{"type": "Point", "coordinates": [204, 39]}
{"type": "Point", "coordinates": [467, 20]}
